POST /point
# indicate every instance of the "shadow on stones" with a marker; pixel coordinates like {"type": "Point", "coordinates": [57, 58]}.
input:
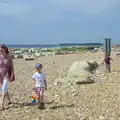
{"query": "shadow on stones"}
{"type": "Point", "coordinates": [85, 82]}
{"type": "Point", "coordinates": [61, 106]}
{"type": "Point", "coordinates": [22, 105]}
{"type": "Point", "coordinates": [18, 105]}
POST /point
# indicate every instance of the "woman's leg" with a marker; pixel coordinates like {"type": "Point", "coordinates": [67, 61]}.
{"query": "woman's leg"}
{"type": "Point", "coordinates": [109, 67]}
{"type": "Point", "coordinates": [8, 97]}
{"type": "Point", "coordinates": [4, 92]}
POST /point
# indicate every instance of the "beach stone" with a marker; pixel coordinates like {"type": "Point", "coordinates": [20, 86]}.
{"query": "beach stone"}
{"type": "Point", "coordinates": [59, 53]}
{"type": "Point", "coordinates": [48, 53]}
{"type": "Point", "coordinates": [32, 50]}
{"type": "Point", "coordinates": [17, 52]}
{"type": "Point", "coordinates": [19, 56]}
{"type": "Point", "coordinates": [28, 57]}
{"type": "Point", "coordinates": [53, 53]}
{"type": "Point", "coordinates": [38, 54]}
{"type": "Point", "coordinates": [58, 82]}
{"type": "Point", "coordinates": [12, 55]}
{"type": "Point", "coordinates": [23, 50]}
{"type": "Point", "coordinates": [118, 54]}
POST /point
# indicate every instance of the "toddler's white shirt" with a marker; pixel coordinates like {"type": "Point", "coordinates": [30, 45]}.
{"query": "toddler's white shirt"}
{"type": "Point", "coordinates": [39, 79]}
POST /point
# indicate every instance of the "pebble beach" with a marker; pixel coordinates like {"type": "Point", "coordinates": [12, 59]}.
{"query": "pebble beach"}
{"type": "Point", "coordinates": [64, 101]}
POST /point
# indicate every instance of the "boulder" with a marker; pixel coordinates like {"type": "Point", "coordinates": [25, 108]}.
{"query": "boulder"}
{"type": "Point", "coordinates": [75, 76]}
{"type": "Point", "coordinates": [77, 66]}
{"type": "Point", "coordinates": [80, 72]}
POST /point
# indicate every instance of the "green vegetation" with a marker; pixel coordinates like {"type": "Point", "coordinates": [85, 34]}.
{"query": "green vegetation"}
{"type": "Point", "coordinates": [47, 50]}
{"type": "Point", "coordinates": [58, 50]}
{"type": "Point", "coordinates": [75, 49]}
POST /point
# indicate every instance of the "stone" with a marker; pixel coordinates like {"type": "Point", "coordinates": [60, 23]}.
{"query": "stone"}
{"type": "Point", "coordinates": [118, 54]}
{"type": "Point", "coordinates": [76, 67]}
{"type": "Point", "coordinates": [19, 56]}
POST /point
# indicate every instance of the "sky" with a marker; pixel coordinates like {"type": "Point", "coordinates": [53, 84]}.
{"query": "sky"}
{"type": "Point", "coordinates": [59, 21]}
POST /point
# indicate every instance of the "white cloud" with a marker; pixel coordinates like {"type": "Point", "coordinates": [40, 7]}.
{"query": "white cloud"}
{"type": "Point", "coordinates": [20, 8]}
{"type": "Point", "coordinates": [14, 9]}
{"type": "Point", "coordinates": [91, 7]}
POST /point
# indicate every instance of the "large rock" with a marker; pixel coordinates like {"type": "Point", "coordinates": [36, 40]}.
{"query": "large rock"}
{"type": "Point", "coordinates": [79, 72]}
{"type": "Point", "coordinates": [79, 78]}
{"type": "Point", "coordinates": [77, 66]}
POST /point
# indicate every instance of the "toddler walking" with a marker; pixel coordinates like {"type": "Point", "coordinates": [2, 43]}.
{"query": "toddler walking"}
{"type": "Point", "coordinates": [39, 84]}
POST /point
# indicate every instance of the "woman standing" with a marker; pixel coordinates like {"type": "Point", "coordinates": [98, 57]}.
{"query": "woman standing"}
{"type": "Point", "coordinates": [107, 61]}
{"type": "Point", "coordinates": [5, 63]}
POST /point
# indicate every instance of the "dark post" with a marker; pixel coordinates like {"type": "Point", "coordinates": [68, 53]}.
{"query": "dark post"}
{"type": "Point", "coordinates": [108, 46]}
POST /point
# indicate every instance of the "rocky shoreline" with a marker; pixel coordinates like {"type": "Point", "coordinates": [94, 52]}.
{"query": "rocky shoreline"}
{"type": "Point", "coordinates": [33, 53]}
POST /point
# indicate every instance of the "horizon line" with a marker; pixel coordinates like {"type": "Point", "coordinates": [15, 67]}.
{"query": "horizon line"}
{"type": "Point", "coordinates": [59, 44]}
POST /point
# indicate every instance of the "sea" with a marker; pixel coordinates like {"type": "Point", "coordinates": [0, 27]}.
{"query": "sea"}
{"type": "Point", "coordinates": [54, 46]}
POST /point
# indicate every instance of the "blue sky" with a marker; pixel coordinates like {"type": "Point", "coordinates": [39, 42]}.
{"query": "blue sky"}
{"type": "Point", "coordinates": [59, 21]}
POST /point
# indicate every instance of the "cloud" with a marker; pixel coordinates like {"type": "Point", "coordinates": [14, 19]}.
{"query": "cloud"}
{"type": "Point", "coordinates": [54, 8]}
{"type": "Point", "coordinates": [3, 1]}
{"type": "Point", "coordinates": [14, 9]}
{"type": "Point", "coordinates": [90, 7]}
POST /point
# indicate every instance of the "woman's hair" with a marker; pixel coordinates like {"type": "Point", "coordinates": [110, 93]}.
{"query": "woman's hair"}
{"type": "Point", "coordinates": [5, 48]}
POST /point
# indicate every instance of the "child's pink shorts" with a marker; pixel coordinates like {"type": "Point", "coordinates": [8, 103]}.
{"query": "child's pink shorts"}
{"type": "Point", "coordinates": [39, 91]}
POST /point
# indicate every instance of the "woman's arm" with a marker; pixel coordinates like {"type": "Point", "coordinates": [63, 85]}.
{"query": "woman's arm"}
{"type": "Point", "coordinates": [11, 64]}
